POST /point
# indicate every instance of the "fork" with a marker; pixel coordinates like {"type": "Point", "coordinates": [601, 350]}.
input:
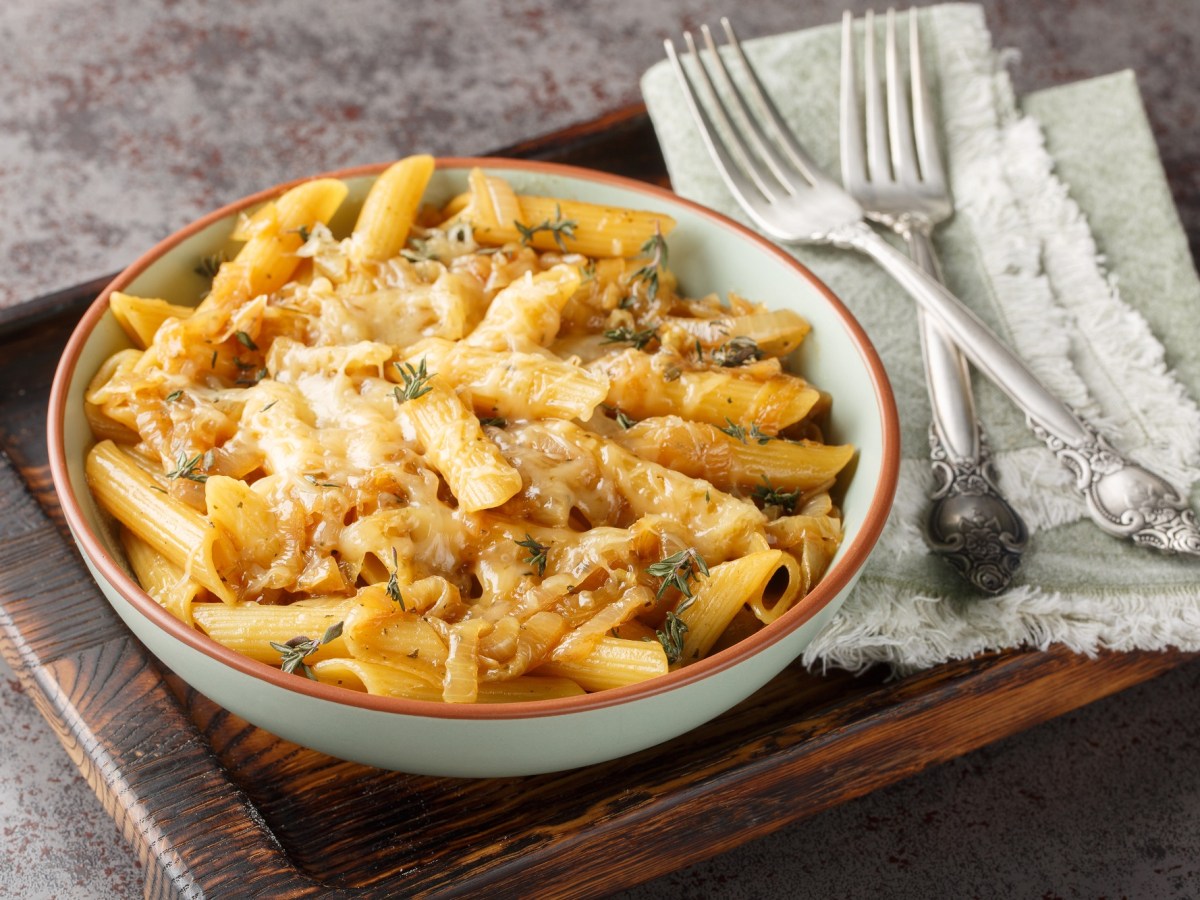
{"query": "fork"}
{"type": "Point", "coordinates": [788, 197]}
{"type": "Point", "coordinates": [897, 176]}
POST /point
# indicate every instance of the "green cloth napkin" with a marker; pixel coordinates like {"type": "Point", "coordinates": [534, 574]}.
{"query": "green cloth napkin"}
{"type": "Point", "coordinates": [1066, 241]}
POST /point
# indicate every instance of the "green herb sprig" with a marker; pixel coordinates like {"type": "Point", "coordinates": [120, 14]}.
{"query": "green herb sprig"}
{"type": "Point", "coordinates": [393, 583]}
{"type": "Point", "coordinates": [671, 636]}
{"type": "Point", "coordinates": [186, 467]}
{"type": "Point", "coordinates": [416, 381]}
{"type": "Point", "coordinates": [537, 553]}
{"type": "Point", "coordinates": [677, 570]}
{"type": "Point", "coordinates": [769, 495]}
{"type": "Point", "coordinates": [737, 352]}
{"type": "Point", "coordinates": [656, 249]}
{"type": "Point", "coordinates": [741, 433]}
{"type": "Point", "coordinates": [559, 228]}
{"type": "Point", "coordinates": [293, 653]}
{"type": "Point", "coordinates": [626, 335]}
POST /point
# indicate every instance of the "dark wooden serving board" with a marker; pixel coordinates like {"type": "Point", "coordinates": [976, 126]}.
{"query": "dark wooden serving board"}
{"type": "Point", "coordinates": [214, 806]}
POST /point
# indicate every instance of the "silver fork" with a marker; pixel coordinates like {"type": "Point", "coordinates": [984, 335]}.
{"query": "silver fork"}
{"type": "Point", "coordinates": [791, 200]}
{"type": "Point", "coordinates": [897, 176]}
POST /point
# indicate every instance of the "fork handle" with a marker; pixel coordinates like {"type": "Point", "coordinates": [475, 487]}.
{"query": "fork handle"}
{"type": "Point", "coordinates": [978, 342]}
{"type": "Point", "coordinates": [947, 375]}
{"type": "Point", "coordinates": [1123, 498]}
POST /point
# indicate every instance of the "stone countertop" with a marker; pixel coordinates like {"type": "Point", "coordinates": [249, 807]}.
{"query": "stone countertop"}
{"type": "Point", "coordinates": [119, 122]}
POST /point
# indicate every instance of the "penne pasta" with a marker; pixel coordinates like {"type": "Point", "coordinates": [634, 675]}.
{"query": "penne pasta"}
{"type": "Point", "coordinates": [513, 385]}
{"type": "Point", "coordinates": [615, 662]}
{"type": "Point", "coordinates": [498, 460]}
{"type": "Point", "coordinates": [552, 223]}
{"type": "Point", "coordinates": [737, 460]}
{"type": "Point", "coordinates": [141, 317]}
{"type": "Point", "coordinates": [718, 397]}
{"type": "Point", "coordinates": [133, 497]}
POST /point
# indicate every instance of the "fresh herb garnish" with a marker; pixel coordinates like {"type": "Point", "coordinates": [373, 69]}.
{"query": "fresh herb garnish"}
{"type": "Point", "coordinates": [537, 553]}
{"type": "Point", "coordinates": [493, 420]}
{"type": "Point", "coordinates": [626, 335]}
{"type": "Point", "coordinates": [245, 340]}
{"type": "Point", "coordinates": [248, 380]}
{"type": "Point", "coordinates": [312, 479]}
{"type": "Point", "coordinates": [656, 249]}
{"type": "Point", "coordinates": [677, 569]}
{"type": "Point", "coordinates": [624, 421]}
{"type": "Point", "coordinates": [671, 637]}
{"type": "Point", "coordinates": [185, 466]}
{"type": "Point", "coordinates": [293, 653]}
{"type": "Point", "coordinates": [769, 495]}
{"type": "Point", "coordinates": [393, 584]}
{"type": "Point", "coordinates": [209, 266]}
{"type": "Point", "coordinates": [173, 396]}
{"type": "Point", "coordinates": [737, 352]}
{"type": "Point", "coordinates": [559, 228]}
{"type": "Point", "coordinates": [416, 381]}
{"type": "Point", "coordinates": [739, 431]}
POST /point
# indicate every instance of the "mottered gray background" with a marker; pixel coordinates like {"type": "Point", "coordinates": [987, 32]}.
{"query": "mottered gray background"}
{"type": "Point", "coordinates": [121, 121]}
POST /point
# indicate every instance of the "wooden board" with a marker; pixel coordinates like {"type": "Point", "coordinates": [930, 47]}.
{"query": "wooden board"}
{"type": "Point", "coordinates": [214, 806]}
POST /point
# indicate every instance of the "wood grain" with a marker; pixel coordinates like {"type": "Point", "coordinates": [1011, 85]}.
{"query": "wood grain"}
{"type": "Point", "coordinates": [214, 806]}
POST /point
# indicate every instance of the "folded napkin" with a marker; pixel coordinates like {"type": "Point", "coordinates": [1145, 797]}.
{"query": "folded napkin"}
{"type": "Point", "coordinates": [1066, 241]}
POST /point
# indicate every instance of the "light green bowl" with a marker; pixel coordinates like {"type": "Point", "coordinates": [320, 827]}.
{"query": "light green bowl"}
{"type": "Point", "coordinates": [708, 253]}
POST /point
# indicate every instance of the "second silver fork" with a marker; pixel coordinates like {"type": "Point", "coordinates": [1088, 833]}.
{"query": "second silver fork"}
{"type": "Point", "coordinates": [897, 175]}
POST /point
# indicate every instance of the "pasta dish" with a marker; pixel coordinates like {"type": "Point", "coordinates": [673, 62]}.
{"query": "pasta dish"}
{"type": "Point", "coordinates": [484, 451]}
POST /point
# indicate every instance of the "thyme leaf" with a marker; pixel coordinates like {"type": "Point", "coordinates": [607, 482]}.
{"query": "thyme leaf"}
{"type": "Point", "coordinates": [671, 637]}
{"type": "Point", "coordinates": [537, 553]}
{"type": "Point", "coordinates": [185, 466]}
{"type": "Point", "coordinates": [416, 381]}
{"type": "Point", "coordinates": [677, 570]}
{"type": "Point", "coordinates": [626, 335]}
{"type": "Point", "coordinates": [741, 433]}
{"type": "Point", "coordinates": [737, 352]}
{"type": "Point", "coordinates": [245, 340]}
{"type": "Point", "coordinates": [293, 653]}
{"type": "Point", "coordinates": [559, 228]}
{"type": "Point", "coordinates": [393, 584]}
{"type": "Point", "coordinates": [208, 266]}
{"type": "Point", "coordinates": [656, 249]}
{"type": "Point", "coordinates": [769, 495]}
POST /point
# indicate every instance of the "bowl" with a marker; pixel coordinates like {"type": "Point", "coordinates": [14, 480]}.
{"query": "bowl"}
{"type": "Point", "coordinates": [709, 253]}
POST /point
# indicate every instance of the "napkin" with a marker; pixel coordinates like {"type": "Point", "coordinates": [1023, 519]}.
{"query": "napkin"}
{"type": "Point", "coordinates": [1066, 241]}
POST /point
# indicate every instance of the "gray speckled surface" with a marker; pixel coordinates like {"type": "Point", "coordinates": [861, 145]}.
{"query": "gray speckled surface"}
{"type": "Point", "coordinates": [121, 121]}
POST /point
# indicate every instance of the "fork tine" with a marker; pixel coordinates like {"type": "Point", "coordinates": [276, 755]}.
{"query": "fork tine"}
{"type": "Point", "coordinates": [879, 155]}
{"type": "Point", "coordinates": [792, 181]}
{"type": "Point", "coordinates": [734, 137]}
{"type": "Point", "coordinates": [900, 130]}
{"type": "Point", "coordinates": [769, 113]}
{"type": "Point", "coordinates": [854, 164]}
{"type": "Point", "coordinates": [928, 154]}
{"type": "Point", "coordinates": [746, 192]}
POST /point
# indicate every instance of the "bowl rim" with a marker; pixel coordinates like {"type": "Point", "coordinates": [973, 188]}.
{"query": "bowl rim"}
{"type": "Point", "coordinates": [835, 580]}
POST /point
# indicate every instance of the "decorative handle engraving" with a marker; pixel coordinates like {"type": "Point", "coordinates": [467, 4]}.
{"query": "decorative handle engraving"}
{"type": "Point", "coordinates": [1124, 499]}
{"type": "Point", "coordinates": [970, 524]}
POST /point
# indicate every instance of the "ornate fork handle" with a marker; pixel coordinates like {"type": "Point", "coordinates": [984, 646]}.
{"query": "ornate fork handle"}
{"type": "Point", "coordinates": [1122, 497]}
{"type": "Point", "coordinates": [969, 522]}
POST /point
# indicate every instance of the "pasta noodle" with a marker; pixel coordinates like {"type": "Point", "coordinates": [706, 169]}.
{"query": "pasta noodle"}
{"type": "Point", "coordinates": [481, 453]}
